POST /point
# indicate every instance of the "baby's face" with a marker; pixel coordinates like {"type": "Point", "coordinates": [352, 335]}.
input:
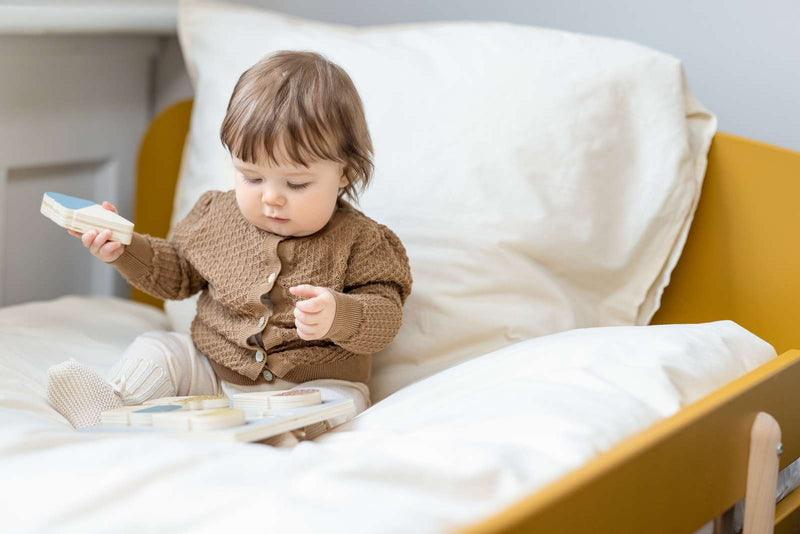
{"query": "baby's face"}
{"type": "Point", "coordinates": [288, 199]}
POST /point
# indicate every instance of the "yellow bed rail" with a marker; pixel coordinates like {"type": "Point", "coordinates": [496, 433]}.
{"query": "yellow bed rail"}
{"type": "Point", "coordinates": [742, 257]}
{"type": "Point", "coordinates": [741, 262]}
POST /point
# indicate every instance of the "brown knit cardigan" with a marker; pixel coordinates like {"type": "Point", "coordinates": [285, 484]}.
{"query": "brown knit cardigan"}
{"type": "Point", "coordinates": [245, 321]}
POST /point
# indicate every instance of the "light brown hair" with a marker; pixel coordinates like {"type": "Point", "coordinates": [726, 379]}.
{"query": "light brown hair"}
{"type": "Point", "coordinates": [305, 106]}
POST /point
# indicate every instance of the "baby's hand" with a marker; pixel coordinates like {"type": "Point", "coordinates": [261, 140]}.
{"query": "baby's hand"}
{"type": "Point", "coordinates": [314, 316]}
{"type": "Point", "coordinates": [97, 241]}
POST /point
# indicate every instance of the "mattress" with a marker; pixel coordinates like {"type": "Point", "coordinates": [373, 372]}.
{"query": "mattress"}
{"type": "Point", "coordinates": [441, 453]}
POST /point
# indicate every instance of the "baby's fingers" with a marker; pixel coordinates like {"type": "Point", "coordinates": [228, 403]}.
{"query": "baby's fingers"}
{"type": "Point", "coordinates": [99, 241]}
{"type": "Point", "coordinates": [311, 305]}
{"type": "Point", "coordinates": [304, 318]}
{"type": "Point", "coordinates": [88, 238]}
{"type": "Point", "coordinates": [111, 251]}
{"type": "Point", "coordinates": [109, 206]}
{"type": "Point", "coordinates": [73, 233]}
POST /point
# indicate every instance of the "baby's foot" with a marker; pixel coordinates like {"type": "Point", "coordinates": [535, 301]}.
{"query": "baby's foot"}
{"type": "Point", "coordinates": [315, 430]}
{"type": "Point", "coordinates": [292, 438]}
{"type": "Point", "coordinates": [286, 439]}
{"type": "Point", "coordinates": [79, 394]}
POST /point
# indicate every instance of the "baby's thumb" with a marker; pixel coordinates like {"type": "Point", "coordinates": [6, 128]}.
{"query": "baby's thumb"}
{"type": "Point", "coordinates": [109, 206]}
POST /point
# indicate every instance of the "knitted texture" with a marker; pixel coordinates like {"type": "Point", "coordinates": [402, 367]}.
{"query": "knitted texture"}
{"type": "Point", "coordinates": [79, 394]}
{"type": "Point", "coordinates": [245, 321]}
{"type": "Point", "coordinates": [138, 380]}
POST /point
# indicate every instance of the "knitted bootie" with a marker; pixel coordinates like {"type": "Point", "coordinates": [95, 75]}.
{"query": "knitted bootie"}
{"type": "Point", "coordinates": [79, 394]}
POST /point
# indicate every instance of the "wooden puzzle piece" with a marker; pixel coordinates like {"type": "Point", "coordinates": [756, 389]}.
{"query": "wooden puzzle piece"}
{"type": "Point", "coordinates": [81, 215]}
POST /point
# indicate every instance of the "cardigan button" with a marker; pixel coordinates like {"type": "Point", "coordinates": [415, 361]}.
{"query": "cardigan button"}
{"type": "Point", "coordinates": [268, 375]}
{"type": "Point", "coordinates": [262, 322]}
{"type": "Point", "coordinates": [271, 278]}
{"type": "Point", "coordinates": [260, 356]}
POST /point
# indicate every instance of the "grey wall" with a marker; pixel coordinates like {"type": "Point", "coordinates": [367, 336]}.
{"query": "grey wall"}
{"type": "Point", "coordinates": [742, 57]}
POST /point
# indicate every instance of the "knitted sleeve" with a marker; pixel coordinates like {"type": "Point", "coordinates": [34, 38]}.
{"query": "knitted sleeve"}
{"type": "Point", "coordinates": [378, 280]}
{"type": "Point", "coordinates": [159, 267]}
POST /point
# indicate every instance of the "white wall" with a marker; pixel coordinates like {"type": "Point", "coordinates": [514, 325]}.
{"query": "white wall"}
{"type": "Point", "coordinates": [742, 57]}
{"type": "Point", "coordinates": [73, 107]}
{"type": "Point", "coordinates": [72, 112]}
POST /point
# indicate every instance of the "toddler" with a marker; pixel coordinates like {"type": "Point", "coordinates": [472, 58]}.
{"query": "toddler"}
{"type": "Point", "coordinates": [297, 287]}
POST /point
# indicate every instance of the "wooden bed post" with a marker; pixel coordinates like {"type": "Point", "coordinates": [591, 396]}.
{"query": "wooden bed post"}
{"type": "Point", "coordinates": [762, 475]}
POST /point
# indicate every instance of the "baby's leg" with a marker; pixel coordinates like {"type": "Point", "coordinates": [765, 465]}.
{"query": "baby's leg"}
{"type": "Point", "coordinates": [334, 389]}
{"type": "Point", "coordinates": [157, 364]}
{"type": "Point", "coordinates": [162, 364]}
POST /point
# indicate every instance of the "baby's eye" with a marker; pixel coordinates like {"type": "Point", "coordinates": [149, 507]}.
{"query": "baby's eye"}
{"type": "Point", "coordinates": [297, 186]}
{"type": "Point", "coordinates": [250, 180]}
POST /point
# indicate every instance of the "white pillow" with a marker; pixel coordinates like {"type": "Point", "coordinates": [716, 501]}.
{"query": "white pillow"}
{"type": "Point", "coordinates": [568, 379]}
{"type": "Point", "coordinates": [540, 180]}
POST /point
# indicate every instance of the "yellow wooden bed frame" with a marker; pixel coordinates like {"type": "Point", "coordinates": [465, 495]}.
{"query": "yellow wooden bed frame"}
{"type": "Point", "coordinates": [741, 262]}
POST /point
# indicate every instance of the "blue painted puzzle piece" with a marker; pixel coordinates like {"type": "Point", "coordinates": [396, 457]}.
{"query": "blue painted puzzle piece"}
{"type": "Point", "coordinates": [72, 203]}
{"type": "Point", "coordinates": [159, 409]}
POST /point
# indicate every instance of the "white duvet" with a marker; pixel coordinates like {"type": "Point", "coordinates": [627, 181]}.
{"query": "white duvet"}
{"type": "Point", "coordinates": [438, 454]}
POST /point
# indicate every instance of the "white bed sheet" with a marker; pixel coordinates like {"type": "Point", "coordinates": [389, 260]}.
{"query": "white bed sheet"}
{"type": "Point", "coordinates": [436, 455]}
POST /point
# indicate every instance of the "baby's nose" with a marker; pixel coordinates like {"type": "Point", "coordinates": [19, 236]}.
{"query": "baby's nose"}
{"type": "Point", "coordinates": [273, 198]}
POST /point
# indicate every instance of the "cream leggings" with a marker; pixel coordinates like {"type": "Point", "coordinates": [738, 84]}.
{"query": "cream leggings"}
{"type": "Point", "coordinates": [165, 364]}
